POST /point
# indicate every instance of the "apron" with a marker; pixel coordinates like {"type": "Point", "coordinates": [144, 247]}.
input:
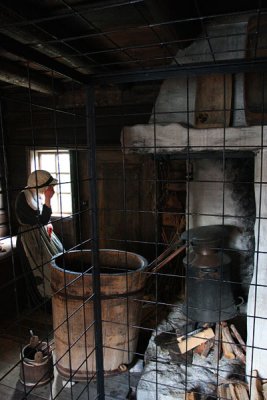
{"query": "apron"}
{"type": "Point", "coordinates": [40, 249]}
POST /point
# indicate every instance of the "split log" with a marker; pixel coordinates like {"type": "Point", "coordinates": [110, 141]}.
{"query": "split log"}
{"type": "Point", "coordinates": [199, 349]}
{"type": "Point", "coordinates": [224, 392]}
{"type": "Point", "coordinates": [227, 342]}
{"type": "Point", "coordinates": [191, 396]}
{"type": "Point", "coordinates": [238, 353]}
{"type": "Point", "coordinates": [238, 391]}
{"type": "Point", "coordinates": [232, 392]}
{"type": "Point", "coordinates": [207, 347]}
{"type": "Point", "coordinates": [264, 390]}
{"type": "Point", "coordinates": [192, 333]}
{"type": "Point", "coordinates": [256, 386]}
{"type": "Point", "coordinates": [238, 337]}
{"type": "Point", "coordinates": [195, 340]}
{"type": "Point", "coordinates": [228, 393]}
{"type": "Point", "coordinates": [235, 349]}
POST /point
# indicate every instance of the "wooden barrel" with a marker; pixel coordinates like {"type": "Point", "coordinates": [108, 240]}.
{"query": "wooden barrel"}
{"type": "Point", "coordinates": [122, 283]}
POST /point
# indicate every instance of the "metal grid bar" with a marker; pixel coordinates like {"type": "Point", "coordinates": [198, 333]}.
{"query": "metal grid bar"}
{"type": "Point", "coordinates": [123, 49]}
{"type": "Point", "coordinates": [134, 195]}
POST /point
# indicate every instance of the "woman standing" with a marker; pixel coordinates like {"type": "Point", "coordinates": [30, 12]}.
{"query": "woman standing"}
{"type": "Point", "coordinates": [36, 242]}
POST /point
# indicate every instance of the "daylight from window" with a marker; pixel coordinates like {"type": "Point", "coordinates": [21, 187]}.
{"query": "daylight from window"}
{"type": "Point", "coordinates": [58, 164]}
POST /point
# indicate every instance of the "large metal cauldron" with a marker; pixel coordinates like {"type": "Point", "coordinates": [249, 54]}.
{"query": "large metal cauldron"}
{"type": "Point", "coordinates": [209, 294]}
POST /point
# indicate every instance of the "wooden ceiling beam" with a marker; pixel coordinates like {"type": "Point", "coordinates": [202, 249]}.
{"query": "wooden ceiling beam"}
{"type": "Point", "coordinates": [30, 35]}
{"type": "Point", "coordinates": [19, 76]}
{"type": "Point", "coordinates": [112, 95]}
{"type": "Point", "coordinates": [28, 53]}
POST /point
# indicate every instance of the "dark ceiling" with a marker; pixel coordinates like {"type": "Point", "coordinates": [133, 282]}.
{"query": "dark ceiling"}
{"type": "Point", "coordinates": [59, 41]}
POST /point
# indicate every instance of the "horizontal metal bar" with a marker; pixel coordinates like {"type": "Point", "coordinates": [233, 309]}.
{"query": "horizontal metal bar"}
{"type": "Point", "coordinates": [154, 74]}
{"type": "Point", "coordinates": [206, 154]}
{"type": "Point", "coordinates": [79, 10]}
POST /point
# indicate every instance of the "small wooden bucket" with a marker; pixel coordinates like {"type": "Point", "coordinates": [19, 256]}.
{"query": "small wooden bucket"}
{"type": "Point", "coordinates": [122, 284]}
{"type": "Point", "coordinates": [36, 367]}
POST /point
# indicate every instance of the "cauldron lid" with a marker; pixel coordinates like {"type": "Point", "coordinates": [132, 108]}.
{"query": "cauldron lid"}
{"type": "Point", "coordinates": [205, 234]}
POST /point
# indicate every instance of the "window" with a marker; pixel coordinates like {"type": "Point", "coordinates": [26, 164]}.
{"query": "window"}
{"type": "Point", "coordinates": [57, 162]}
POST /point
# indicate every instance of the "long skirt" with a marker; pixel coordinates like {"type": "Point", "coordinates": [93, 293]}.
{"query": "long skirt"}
{"type": "Point", "coordinates": [39, 249]}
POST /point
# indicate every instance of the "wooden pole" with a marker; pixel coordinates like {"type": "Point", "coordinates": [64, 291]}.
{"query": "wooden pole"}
{"type": "Point", "coordinates": [174, 243]}
{"type": "Point", "coordinates": [168, 259]}
{"type": "Point", "coordinates": [238, 337]}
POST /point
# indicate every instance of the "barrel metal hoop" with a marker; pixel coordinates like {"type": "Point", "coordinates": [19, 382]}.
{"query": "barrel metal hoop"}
{"type": "Point", "coordinates": [63, 294]}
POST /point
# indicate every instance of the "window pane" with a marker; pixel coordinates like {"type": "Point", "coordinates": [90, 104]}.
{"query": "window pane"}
{"type": "Point", "coordinates": [64, 186]}
{"type": "Point", "coordinates": [47, 162]}
{"type": "Point", "coordinates": [64, 162]}
{"type": "Point", "coordinates": [64, 178]}
{"type": "Point", "coordinates": [54, 204]}
{"type": "Point", "coordinates": [66, 203]}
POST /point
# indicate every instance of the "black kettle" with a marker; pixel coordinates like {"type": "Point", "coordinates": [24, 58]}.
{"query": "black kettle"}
{"type": "Point", "coordinates": [209, 293]}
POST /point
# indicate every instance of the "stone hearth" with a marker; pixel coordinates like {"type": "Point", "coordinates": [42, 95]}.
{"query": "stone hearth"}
{"type": "Point", "coordinates": [175, 139]}
{"type": "Point", "coordinates": [170, 374]}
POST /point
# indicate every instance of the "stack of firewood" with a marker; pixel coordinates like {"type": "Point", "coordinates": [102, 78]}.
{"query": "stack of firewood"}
{"type": "Point", "coordinates": [229, 343]}
{"type": "Point", "coordinates": [237, 390]}
{"type": "Point", "coordinates": [258, 387]}
{"type": "Point", "coordinates": [230, 391]}
{"type": "Point", "coordinates": [257, 390]}
{"type": "Point", "coordinates": [226, 341]}
{"type": "Point", "coordinates": [223, 339]}
{"type": "Point", "coordinates": [233, 391]}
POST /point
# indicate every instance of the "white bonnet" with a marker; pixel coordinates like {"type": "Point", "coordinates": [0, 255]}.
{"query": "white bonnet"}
{"type": "Point", "coordinates": [40, 178]}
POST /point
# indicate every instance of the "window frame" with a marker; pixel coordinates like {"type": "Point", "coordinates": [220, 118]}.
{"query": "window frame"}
{"type": "Point", "coordinates": [34, 155]}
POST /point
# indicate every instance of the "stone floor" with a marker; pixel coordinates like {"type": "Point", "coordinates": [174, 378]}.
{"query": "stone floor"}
{"type": "Point", "coordinates": [161, 373]}
{"type": "Point", "coordinates": [117, 387]}
{"type": "Point", "coordinates": [14, 336]}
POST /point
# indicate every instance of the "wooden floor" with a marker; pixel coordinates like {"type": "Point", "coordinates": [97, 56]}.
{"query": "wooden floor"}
{"type": "Point", "coordinates": [15, 335]}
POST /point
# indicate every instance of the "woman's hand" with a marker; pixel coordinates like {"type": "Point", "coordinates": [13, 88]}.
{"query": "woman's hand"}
{"type": "Point", "coordinates": [49, 193]}
{"type": "Point", "coordinates": [49, 228]}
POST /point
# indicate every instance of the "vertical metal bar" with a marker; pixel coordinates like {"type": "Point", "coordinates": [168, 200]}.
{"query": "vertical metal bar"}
{"type": "Point", "coordinates": [91, 140]}
{"type": "Point", "coordinates": [7, 201]}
